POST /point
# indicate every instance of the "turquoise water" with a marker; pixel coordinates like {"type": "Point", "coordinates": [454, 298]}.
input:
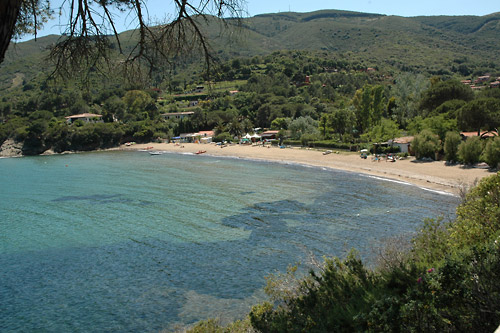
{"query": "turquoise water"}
{"type": "Point", "coordinates": [125, 241]}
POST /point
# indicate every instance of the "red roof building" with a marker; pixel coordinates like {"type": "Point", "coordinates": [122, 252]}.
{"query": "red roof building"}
{"type": "Point", "coordinates": [484, 134]}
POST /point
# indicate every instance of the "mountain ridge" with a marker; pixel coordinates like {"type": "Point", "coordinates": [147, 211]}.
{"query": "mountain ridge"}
{"type": "Point", "coordinates": [419, 44]}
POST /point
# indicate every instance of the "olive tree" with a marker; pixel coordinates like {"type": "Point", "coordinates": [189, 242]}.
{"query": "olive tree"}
{"type": "Point", "coordinates": [426, 144]}
{"type": "Point", "coordinates": [470, 150]}
{"type": "Point", "coordinates": [491, 153]}
{"type": "Point", "coordinates": [451, 142]}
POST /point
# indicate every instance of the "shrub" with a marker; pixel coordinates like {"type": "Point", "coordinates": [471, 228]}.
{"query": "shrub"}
{"type": "Point", "coordinates": [323, 144]}
{"type": "Point", "coordinates": [478, 218]}
{"type": "Point", "coordinates": [307, 138]}
{"type": "Point", "coordinates": [426, 144]}
{"type": "Point", "coordinates": [224, 136]}
{"type": "Point", "coordinates": [491, 153]}
{"type": "Point", "coordinates": [470, 150]}
{"type": "Point", "coordinates": [451, 142]}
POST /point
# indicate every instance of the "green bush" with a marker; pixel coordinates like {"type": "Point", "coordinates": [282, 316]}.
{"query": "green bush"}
{"type": "Point", "coordinates": [451, 142]}
{"type": "Point", "coordinates": [470, 150]}
{"type": "Point", "coordinates": [478, 218]}
{"type": "Point", "coordinates": [224, 136]}
{"type": "Point", "coordinates": [426, 144]}
{"type": "Point", "coordinates": [307, 138]}
{"type": "Point", "coordinates": [332, 144]}
{"type": "Point", "coordinates": [491, 153]}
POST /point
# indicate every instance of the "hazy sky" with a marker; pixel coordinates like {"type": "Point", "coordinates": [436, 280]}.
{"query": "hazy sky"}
{"type": "Point", "coordinates": [160, 8]}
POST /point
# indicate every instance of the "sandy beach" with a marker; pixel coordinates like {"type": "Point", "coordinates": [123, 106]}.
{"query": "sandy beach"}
{"type": "Point", "coordinates": [431, 175]}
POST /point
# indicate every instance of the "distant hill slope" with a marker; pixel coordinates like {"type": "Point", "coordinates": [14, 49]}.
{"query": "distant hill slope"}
{"type": "Point", "coordinates": [421, 44]}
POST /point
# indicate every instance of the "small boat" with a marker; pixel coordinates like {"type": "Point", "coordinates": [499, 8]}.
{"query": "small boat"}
{"type": "Point", "coordinates": [327, 152]}
{"type": "Point", "coordinates": [200, 152]}
{"type": "Point", "coordinates": [155, 153]}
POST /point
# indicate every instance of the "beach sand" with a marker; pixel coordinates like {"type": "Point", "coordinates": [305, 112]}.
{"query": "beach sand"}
{"type": "Point", "coordinates": [434, 175]}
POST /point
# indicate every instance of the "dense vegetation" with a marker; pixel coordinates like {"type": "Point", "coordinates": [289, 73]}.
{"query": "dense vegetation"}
{"type": "Point", "coordinates": [317, 101]}
{"type": "Point", "coordinates": [446, 280]}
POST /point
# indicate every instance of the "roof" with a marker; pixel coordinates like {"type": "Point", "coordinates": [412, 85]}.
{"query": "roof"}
{"type": "Point", "coordinates": [404, 139]}
{"type": "Point", "coordinates": [269, 132]}
{"type": "Point", "coordinates": [84, 115]}
{"type": "Point", "coordinates": [178, 113]}
{"type": "Point", "coordinates": [484, 134]}
{"type": "Point", "coordinates": [206, 133]}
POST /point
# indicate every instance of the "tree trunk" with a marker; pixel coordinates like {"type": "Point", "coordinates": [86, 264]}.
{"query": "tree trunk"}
{"type": "Point", "coordinates": [9, 10]}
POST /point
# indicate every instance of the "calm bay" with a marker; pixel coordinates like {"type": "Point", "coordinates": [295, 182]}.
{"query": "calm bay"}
{"type": "Point", "coordinates": [125, 241]}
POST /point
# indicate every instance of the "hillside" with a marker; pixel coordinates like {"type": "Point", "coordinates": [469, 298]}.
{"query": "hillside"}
{"type": "Point", "coordinates": [429, 45]}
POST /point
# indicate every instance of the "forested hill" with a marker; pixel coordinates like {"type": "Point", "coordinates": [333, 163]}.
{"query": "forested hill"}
{"type": "Point", "coordinates": [427, 44]}
{"type": "Point", "coordinates": [415, 42]}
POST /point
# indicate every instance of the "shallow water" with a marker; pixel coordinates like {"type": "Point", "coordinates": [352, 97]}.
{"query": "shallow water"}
{"type": "Point", "coordinates": [125, 241]}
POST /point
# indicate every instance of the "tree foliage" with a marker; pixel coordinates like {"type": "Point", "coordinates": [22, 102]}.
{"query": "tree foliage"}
{"type": "Point", "coordinates": [481, 113]}
{"type": "Point", "coordinates": [491, 153]}
{"type": "Point", "coordinates": [86, 43]}
{"type": "Point", "coordinates": [407, 93]}
{"type": "Point", "coordinates": [303, 125]}
{"type": "Point", "coordinates": [426, 144]}
{"type": "Point", "coordinates": [451, 143]}
{"type": "Point", "coordinates": [444, 91]}
{"type": "Point", "coordinates": [470, 150]}
{"type": "Point", "coordinates": [369, 103]}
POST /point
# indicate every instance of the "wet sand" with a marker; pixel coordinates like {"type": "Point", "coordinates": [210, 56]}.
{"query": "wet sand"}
{"type": "Point", "coordinates": [434, 175]}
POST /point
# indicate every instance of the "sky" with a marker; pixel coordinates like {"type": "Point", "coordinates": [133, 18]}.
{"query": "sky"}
{"type": "Point", "coordinates": [159, 9]}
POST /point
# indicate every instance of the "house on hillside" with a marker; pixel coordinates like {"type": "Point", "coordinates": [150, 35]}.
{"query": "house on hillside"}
{"type": "Point", "coordinates": [85, 117]}
{"type": "Point", "coordinates": [177, 115]}
{"type": "Point", "coordinates": [482, 135]}
{"type": "Point", "coordinates": [483, 78]}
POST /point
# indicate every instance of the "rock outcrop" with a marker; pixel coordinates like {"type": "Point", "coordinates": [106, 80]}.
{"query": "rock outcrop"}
{"type": "Point", "coordinates": [11, 148]}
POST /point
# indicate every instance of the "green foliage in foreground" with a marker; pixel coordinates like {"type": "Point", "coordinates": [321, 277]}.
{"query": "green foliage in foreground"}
{"type": "Point", "coordinates": [447, 281]}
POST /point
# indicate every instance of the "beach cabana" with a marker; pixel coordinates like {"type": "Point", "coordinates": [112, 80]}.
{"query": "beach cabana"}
{"type": "Point", "coordinates": [251, 137]}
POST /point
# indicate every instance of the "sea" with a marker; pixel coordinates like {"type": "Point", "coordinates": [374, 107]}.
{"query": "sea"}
{"type": "Point", "coordinates": [123, 241]}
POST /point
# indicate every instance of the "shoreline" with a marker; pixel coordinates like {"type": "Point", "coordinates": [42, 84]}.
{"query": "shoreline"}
{"type": "Point", "coordinates": [434, 176]}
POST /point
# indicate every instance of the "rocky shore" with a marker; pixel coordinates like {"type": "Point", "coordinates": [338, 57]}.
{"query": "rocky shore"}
{"type": "Point", "coordinates": [10, 148]}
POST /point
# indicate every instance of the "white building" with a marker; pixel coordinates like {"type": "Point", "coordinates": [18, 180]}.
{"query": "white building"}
{"type": "Point", "coordinates": [177, 115]}
{"type": "Point", "coordinates": [85, 117]}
